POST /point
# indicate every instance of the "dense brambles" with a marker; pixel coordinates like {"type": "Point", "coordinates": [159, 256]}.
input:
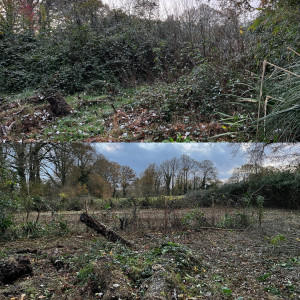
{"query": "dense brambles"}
{"type": "Point", "coordinates": [206, 60]}
{"type": "Point", "coordinates": [278, 189]}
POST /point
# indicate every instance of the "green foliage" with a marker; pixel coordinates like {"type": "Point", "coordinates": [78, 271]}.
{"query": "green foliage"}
{"type": "Point", "coordinates": [179, 139]}
{"type": "Point", "coordinates": [5, 222]}
{"type": "Point", "coordinates": [227, 291]}
{"type": "Point", "coordinates": [98, 87]}
{"type": "Point", "coordinates": [32, 229]}
{"type": "Point", "coordinates": [200, 198]}
{"type": "Point", "coordinates": [196, 218]}
{"type": "Point", "coordinates": [281, 123]}
{"type": "Point", "coordinates": [8, 199]}
{"type": "Point", "coordinates": [272, 32]}
{"type": "Point", "coordinates": [276, 189]}
{"type": "Point", "coordinates": [137, 265]}
{"type": "Point", "coordinates": [238, 220]}
{"type": "Point", "coordinates": [264, 277]}
{"type": "Point", "coordinates": [273, 290]}
{"type": "Point", "coordinates": [277, 239]}
{"type": "Point", "coordinates": [79, 58]}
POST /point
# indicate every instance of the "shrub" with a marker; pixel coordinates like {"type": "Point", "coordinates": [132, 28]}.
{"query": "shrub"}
{"type": "Point", "coordinates": [238, 220]}
{"type": "Point", "coordinates": [5, 222]}
{"type": "Point", "coordinates": [8, 199]}
{"type": "Point", "coordinates": [195, 219]}
{"type": "Point", "coordinates": [199, 198]}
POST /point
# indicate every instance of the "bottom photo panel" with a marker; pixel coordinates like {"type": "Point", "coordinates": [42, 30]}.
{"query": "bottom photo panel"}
{"type": "Point", "coordinates": [149, 221]}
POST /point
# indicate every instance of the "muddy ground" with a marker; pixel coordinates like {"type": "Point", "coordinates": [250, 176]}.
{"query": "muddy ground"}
{"type": "Point", "coordinates": [253, 263]}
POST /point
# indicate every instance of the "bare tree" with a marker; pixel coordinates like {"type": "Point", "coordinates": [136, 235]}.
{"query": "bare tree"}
{"type": "Point", "coordinates": [150, 181]}
{"type": "Point", "coordinates": [60, 162]}
{"type": "Point", "coordinates": [167, 170]}
{"type": "Point", "coordinates": [186, 166]}
{"type": "Point", "coordinates": [209, 172]}
{"type": "Point", "coordinates": [127, 177]}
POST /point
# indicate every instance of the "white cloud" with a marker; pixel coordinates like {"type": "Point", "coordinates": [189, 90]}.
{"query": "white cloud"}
{"type": "Point", "coordinates": [150, 146]}
{"type": "Point", "coordinates": [109, 147]}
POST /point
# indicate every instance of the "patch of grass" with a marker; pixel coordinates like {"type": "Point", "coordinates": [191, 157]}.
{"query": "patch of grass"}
{"type": "Point", "coordinates": [24, 94]}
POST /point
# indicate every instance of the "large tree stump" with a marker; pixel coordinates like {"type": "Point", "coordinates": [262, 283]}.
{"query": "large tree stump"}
{"type": "Point", "coordinates": [58, 104]}
{"type": "Point", "coordinates": [13, 269]}
{"type": "Point", "coordinates": [157, 286]}
{"type": "Point", "coordinates": [111, 282]}
{"type": "Point", "coordinates": [103, 230]}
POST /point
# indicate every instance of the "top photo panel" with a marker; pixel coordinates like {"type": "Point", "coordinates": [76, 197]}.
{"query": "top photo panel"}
{"type": "Point", "coordinates": [150, 71]}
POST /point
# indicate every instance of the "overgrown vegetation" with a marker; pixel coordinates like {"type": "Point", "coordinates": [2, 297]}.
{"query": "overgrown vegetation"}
{"type": "Point", "coordinates": [196, 74]}
{"type": "Point", "coordinates": [278, 189]}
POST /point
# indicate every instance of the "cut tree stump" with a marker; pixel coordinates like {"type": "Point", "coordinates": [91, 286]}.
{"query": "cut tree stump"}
{"type": "Point", "coordinates": [110, 281]}
{"type": "Point", "coordinates": [156, 287]}
{"type": "Point", "coordinates": [58, 104]}
{"type": "Point", "coordinates": [13, 269]}
{"type": "Point", "coordinates": [102, 229]}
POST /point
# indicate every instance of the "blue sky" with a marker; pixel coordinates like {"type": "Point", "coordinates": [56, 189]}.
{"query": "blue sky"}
{"type": "Point", "coordinates": [139, 155]}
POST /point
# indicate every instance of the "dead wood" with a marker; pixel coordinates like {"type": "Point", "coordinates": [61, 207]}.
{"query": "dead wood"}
{"type": "Point", "coordinates": [217, 228]}
{"type": "Point", "coordinates": [3, 131]}
{"type": "Point", "coordinates": [31, 251]}
{"type": "Point", "coordinates": [57, 263]}
{"type": "Point", "coordinates": [58, 104]}
{"type": "Point", "coordinates": [102, 229]}
{"type": "Point", "coordinates": [13, 269]}
{"type": "Point", "coordinates": [157, 287]}
{"type": "Point", "coordinates": [111, 281]}
{"type": "Point", "coordinates": [35, 99]}
{"type": "Point", "coordinates": [114, 108]}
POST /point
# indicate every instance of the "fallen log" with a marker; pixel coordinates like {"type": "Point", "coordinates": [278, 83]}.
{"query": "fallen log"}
{"type": "Point", "coordinates": [23, 251]}
{"type": "Point", "coordinates": [109, 234]}
{"type": "Point", "coordinates": [13, 269]}
{"type": "Point", "coordinates": [218, 228]}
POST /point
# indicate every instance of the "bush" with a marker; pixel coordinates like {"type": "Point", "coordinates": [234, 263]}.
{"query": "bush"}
{"type": "Point", "coordinates": [8, 199]}
{"type": "Point", "coordinates": [278, 189]}
{"type": "Point", "coordinates": [238, 220]}
{"type": "Point", "coordinates": [5, 222]}
{"type": "Point", "coordinates": [198, 198]}
{"type": "Point", "coordinates": [196, 219]}
{"type": "Point", "coordinates": [97, 87]}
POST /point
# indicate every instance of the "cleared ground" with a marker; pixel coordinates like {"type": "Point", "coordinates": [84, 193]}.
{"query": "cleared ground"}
{"type": "Point", "coordinates": [254, 263]}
